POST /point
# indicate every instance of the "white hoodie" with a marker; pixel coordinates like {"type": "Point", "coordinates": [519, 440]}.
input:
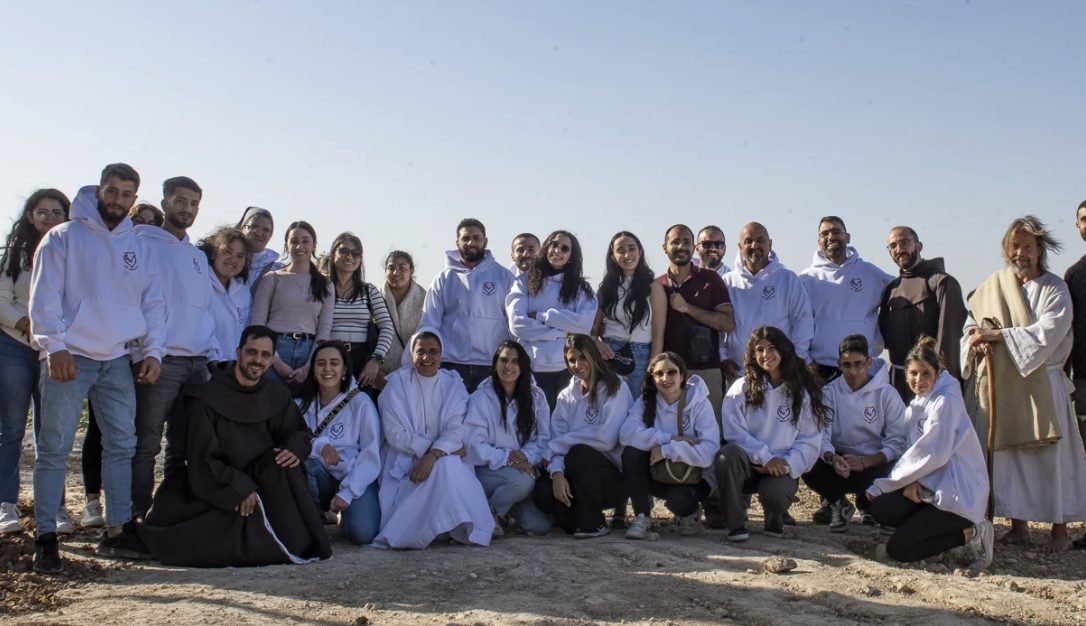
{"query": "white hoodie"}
{"type": "Point", "coordinates": [490, 441]}
{"type": "Point", "coordinates": [545, 336]}
{"type": "Point", "coordinates": [845, 299]}
{"type": "Point", "coordinates": [355, 433]}
{"type": "Point", "coordinates": [575, 422]}
{"type": "Point", "coordinates": [772, 297]}
{"type": "Point", "coordinates": [183, 271]}
{"type": "Point", "coordinates": [468, 306]}
{"type": "Point", "coordinates": [766, 432]}
{"type": "Point", "coordinates": [866, 421]}
{"type": "Point", "coordinates": [944, 454]}
{"type": "Point", "coordinates": [230, 309]}
{"type": "Point", "coordinates": [699, 421]}
{"type": "Point", "coordinates": [94, 290]}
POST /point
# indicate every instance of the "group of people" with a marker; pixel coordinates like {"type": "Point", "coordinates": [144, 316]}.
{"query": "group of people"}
{"type": "Point", "coordinates": [292, 393]}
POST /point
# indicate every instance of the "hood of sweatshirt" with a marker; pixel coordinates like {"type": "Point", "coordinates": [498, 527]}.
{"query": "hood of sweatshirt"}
{"type": "Point", "coordinates": [85, 210]}
{"type": "Point", "coordinates": [822, 264]}
{"type": "Point", "coordinates": [925, 267]}
{"type": "Point", "coordinates": [945, 385]}
{"type": "Point", "coordinates": [880, 377]}
{"type": "Point", "coordinates": [151, 231]}
{"type": "Point", "coordinates": [455, 263]}
{"type": "Point", "coordinates": [770, 269]}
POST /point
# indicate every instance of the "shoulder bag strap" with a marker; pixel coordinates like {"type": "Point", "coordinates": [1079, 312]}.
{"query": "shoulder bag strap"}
{"type": "Point", "coordinates": [335, 411]}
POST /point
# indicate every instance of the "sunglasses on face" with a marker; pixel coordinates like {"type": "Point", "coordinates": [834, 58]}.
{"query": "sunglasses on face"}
{"type": "Point", "coordinates": [711, 244]}
{"type": "Point", "coordinates": [668, 373]}
{"type": "Point", "coordinates": [561, 247]}
{"type": "Point", "coordinates": [351, 252]}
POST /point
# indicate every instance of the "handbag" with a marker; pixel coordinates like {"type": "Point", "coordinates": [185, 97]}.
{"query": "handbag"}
{"type": "Point", "coordinates": [671, 472]}
{"type": "Point", "coordinates": [622, 363]}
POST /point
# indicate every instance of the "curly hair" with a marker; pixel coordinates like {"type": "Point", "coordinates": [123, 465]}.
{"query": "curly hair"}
{"type": "Point", "coordinates": [573, 281]}
{"type": "Point", "coordinates": [797, 379]}
{"type": "Point", "coordinates": [23, 239]}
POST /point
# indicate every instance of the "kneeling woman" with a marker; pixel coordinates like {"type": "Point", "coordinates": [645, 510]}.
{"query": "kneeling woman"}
{"type": "Point", "coordinates": [583, 456]}
{"type": "Point", "coordinates": [508, 424]}
{"type": "Point", "coordinates": [937, 493]}
{"type": "Point", "coordinates": [427, 488]}
{"type": "Point", "coordinates": [772, 422]}
{"type": "Point", "coordinates": [346, 452]}
{"type": "Point", "coordinates": [673, 420]}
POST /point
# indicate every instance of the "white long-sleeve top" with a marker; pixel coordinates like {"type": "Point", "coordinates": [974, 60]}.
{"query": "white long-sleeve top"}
{"type": "Point", "coordinates": [866, 421]}
{"type": "Point", "coordinates": [410, 428]}
{"type": "Point", "coordinates": [845, 300]}
{"type": "Point", "coordinates": [355, 433]}
{"type": "Point", "coordinates": [230, 309]}
{"type": "Point", "coordinates": [468, 306]}
{"type": "Point", "coordinates": [183, 271]}
{"type": "Point", "coordinates": [772, 297]}
{"type": "Point", "coordinates": [93, 290]}
{"type": "Point", "coordinates": [490, 439]}
{"type": "Point", "coordinates": [699, 421]}
{"type": "Point", "coordinates": [944, 454]}
{"type": "Point", "coordinates": [766, 431]}
{"type": "Point", "coordinates": [544, 337]}
{"type": "Point", "coordinates": [574, 421]}
{"type": "Point", "coordinates": [14, 303]}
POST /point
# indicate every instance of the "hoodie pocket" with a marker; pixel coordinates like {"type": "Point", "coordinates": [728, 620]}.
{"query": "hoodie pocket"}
{"type": "Point", "coordinates": [101, 328]}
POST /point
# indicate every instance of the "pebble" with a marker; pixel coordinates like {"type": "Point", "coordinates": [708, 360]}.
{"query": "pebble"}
{"type": "Point", "coordinates": [1013, 586]}
{"type": "Point", "coordinates": [752, 571]}
{"type": "Point", "coordinates": [904, 588]}
{"type": "Point", "coordinates": [473, 575]}
{"type": "Point", "coordinates": [870, 591]}
{"type": "Point", "coordinates": [361, 620]}
{"type": "Point", "coordinates": [778, 565]}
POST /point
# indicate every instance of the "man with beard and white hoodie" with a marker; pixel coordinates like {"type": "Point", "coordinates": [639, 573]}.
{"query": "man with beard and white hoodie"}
{"type": "Point", "coordinates": [93, 290]}
{"type": "Point", "coordinates": [183, 271]}
{"type": "Point", "coordinates": [765, 293]}
{"type": "Point", "coordinates": [845, 293]}
{"type": "Point", "coordinates": [865, 436]}
{"type": "Point", "coordinates": [466, 302]}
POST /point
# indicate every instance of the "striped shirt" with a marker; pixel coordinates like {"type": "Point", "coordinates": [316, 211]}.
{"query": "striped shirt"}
{"type": "Point", "coordinates": [351, 320]}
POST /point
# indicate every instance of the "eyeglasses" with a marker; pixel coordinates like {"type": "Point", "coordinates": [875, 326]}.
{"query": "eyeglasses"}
{"type": "Point", "coordinates": [668, 373]}
{"type": "Point", "coordinates": [833, 232]}
{"type": "Point", "coordinates": [44, 214]}
{"type": "Point", "coordinates": [431, 352]}
{"type": "Point", "coordinates": [900, 244]}
{"type": "Point", "coordinates": [711, 244]}
{"type": "Point", "coordinates": [351, 252]}
{"type": "Point", "coordinates": [561, 247]}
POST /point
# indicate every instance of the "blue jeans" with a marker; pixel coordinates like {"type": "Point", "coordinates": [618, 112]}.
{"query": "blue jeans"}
{"type": "Point", "coordinates": [18, 388]}
{"type": "Point", "coordinates": [509, 489]}
{"type": "Point", "coordinates": [153, 406]}
{"type": "Point", "coordinates": [293, 352]}
{"type": "Point", "coordinates": [641, 352]}
{"type": "Point", "coordinates": [362, 519]}
{"type": "Point", "coordinates": [109, 387]}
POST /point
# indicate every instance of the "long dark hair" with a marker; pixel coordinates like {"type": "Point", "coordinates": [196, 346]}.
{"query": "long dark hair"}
{"type": "Point", "coordinates": [572, 273]}
{"type": "Point", "coordinates": [649, 390]}
{"type": "Point", "coordinates": [797, 379]}
{"type": "Point", "coordinates": [522, 390]}
{"type": "Point", "coordinates": [318, 283]}
{"type": "Point", "coordinates": [636, 304]}
{"type": "Point", "coordinates": [24, 238]}
{"type": "Point", "coordinates": [310, 388]}
{"type": "Point", "coordinates": [328, 266]}
{"type": "Point", "coordinates": [599, 371]}
{"type": "Point", "coordinates": [220, 239]}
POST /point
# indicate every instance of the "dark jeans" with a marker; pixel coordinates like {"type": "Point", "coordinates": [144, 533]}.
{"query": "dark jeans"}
{"type": "Point", "coordinates": [552, 383]}
{"type": "Point", "coordinates": [826, 372]}
{"type": "Point", "coordinates": [472, 374]}
{"type": "Point", "coordinates": [682, 500]}
{"type": "Point", "coordinates": [91, 457]}
{"type": "Point", "coordinates": [828, 484]}
{"type": "Point", "coordinates": [596, 485]}
{"type": "Point", "coordinates": [736, 479]}
{"type": "Point", "coordinates": [922, 529]}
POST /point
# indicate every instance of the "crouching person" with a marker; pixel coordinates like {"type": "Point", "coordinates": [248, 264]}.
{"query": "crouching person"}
{"type": "Point", "coordinates": [241, 498]}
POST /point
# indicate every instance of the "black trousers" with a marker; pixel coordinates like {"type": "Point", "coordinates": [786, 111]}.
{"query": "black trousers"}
{"type": "Point", "coordinates": [596, 485]}
{"type": "Point", "coordinates": [91, 458]}
{"type": "Point", "coordinates": [826, 483]}
{"type": "Point", "coordinates": [682, 500]}
{"type": "Point", "coordinates": [472, 374]}
{"type": "Point", "coordinates": [552, 383]}
{"type": "Point", "coordinates": [922, 529]}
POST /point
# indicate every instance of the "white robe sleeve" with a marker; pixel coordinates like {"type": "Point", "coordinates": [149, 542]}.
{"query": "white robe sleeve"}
{"type": "Point", "coordinates": [401, 432]}
{"type": "Point", "coordinates": [453, 409]}
{"type": "Point", "coordinates": [1031, 346]}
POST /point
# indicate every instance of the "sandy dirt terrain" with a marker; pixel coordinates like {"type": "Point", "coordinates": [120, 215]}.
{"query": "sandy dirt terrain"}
{"type": "Point", "coordinates": [838, 579]}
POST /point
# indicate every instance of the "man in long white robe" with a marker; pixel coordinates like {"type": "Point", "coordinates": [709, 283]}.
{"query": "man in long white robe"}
{"type": "Point", "coordinates": [1039, 482]}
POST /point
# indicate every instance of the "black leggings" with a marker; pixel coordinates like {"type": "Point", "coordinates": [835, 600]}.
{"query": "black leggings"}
{"type": "Point", "coordinates": [91, 458]}
{"type": "Point", "coordinates": [682, 500]}
{"type": "Point", "coordinates": [596, 485]}
{"type": "Point", "coordinates": [824, 481]}
{"type": "Point", "coordinates": [922, 529]}
{"type": "Point", "coordinates": [552, 383]}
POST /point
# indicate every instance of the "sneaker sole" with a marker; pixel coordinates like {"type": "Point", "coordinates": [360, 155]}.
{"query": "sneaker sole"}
{"type": "Point", "coordinates": [838, 529]}
{"type": "Point", "coordinates": [737, 538]}
{"type": "Point", "coordinates": [42, 570]}
{"type": "Point", "coordinates": [775, 535]}
{"type": "Point", "coordinates": [121, 553]}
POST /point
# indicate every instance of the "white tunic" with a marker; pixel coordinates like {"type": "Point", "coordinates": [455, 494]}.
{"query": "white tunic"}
{"type": "Point", "coordinates": [419, 413]}
{"type": "Point", "coordinates": [1043, 484]}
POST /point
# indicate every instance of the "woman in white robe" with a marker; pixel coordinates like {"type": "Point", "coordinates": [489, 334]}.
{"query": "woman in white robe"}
{"type": "Point", "coordinates": [427, 487]}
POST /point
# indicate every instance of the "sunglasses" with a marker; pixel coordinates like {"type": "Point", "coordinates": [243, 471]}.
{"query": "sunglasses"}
{"type": "Point", "coordinates": [561, 247]}
{"type": "Point", "coordinates": [668, 373]}
{"type": "Point", "coordinates": [711, 244]}
{"type": "Point", "coordinates": [351, 252]}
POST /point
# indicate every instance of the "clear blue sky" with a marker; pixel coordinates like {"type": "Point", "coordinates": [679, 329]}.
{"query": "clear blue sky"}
{"type": "Point", "coordinates": [394, 120]}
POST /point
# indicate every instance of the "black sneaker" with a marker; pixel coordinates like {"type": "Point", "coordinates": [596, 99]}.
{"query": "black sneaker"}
{"type": "Point", "coordinates": [47, 555]}
{"type": "Point", "coordinates": [788, 519]}
{"type": "Point", "coordinates": [124, 546]}
{"type": "Point", "coordinates": [1079, 544]}
{"type": "Point", "coordinates": [824, 513]}
{"type": "Point", "coordinates": [738, 534]}
{"type": "Point", "coordinates": [774, 526]}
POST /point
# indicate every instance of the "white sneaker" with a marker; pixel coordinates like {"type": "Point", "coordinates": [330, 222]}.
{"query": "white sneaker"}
{"type": "Point", "coordinates": [982, 546]}
{"type": "Point", "coordinates": [498, 530]}
{"type": "Point", "coordinates": [9, 518]}
{"type": "Point", "coordinates": [64, 522]}
{"type": "Point", "coordinates": [92, 515]}
{"type": "Point", "coordinates": [840, 515]}
{"type": "Point", "coordinates": [688, 525]}
{"type": "Point", "coordinates": [640, 527]}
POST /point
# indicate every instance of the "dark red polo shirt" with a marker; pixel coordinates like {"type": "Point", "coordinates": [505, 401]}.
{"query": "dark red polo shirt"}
{"type": "Point", "coordinates": [704, 289]}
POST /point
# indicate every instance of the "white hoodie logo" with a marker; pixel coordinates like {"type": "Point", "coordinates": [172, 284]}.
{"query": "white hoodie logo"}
{"type": "Point", "coordinates": [870, 413]}
{"type": "Point", "coordinates": [591, 415]}
{"type": "Point", "coordinates": [856, 284]}
{"type": "Point", "coordinates": [488, 288]}
{"type": "Point", "coordinates": [337, 431]}
{"type": "Point", "coordinates": [130, 260]}
{"type": "Point", "coordinates": [768, 292]}
{"type": "Point", "coordinates": [196, 266]}
{"type": "Point", "coordinates": [783, 413]}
